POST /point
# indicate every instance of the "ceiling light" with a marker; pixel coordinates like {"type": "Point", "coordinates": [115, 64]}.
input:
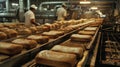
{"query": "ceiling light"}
{"type": "Point", "coordinates": [14, 4]}
{"type": "Point", "coordinates": [85, 2]}
{"type": "Point", "coordinates": [94, 8]}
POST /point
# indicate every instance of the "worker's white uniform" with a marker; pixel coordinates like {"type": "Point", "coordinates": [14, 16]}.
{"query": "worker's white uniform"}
{"type": "Point", "coordinates": [61, 13]}
{"type": "Point", "coordinates": [28, 16]}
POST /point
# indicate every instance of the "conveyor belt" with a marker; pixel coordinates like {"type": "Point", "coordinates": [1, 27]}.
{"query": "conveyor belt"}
{"type": "Point", "coordinates": [81, 62]}
{"type": "Point", "coordinates": [25, 56]}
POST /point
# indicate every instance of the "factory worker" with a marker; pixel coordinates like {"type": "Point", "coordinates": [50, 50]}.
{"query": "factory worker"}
{"type": "Point", "coordinates": [30, 17]}
{"type": "Point", "coordinates": [61, 12]}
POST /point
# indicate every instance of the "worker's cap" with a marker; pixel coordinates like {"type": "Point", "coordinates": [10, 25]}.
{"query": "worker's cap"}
{"type": "Point", "coordinates": [63, 4]}
{"type": "Point", "coordinates": [34, 6]}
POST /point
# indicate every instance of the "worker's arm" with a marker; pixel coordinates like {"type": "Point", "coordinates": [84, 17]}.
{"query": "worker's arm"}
{"type": "Point", "coordinates": [33, 22]}
{"type": "Point", "coordinates": [65, 13]}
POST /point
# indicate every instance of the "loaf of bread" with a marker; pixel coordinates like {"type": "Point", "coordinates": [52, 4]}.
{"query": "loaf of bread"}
{"type": "Point", "coordinates": [9, 48]}
{"type": "Point", "coordinates": [73, 50]}
{"type": "Point", "coordinates": [48, 25]}
{"type": "Point", "coordinates": [27, 44]}
{"type": "Point", "coordinates": [10, 25]}
{"type": "Point", "coordinates": [66, 29]}
{"type": "Point", "coordinates": [10, 32]}
{"type": "Point", "coordinates": [4, 28]}
{"type": "Point", "coordinates": [87, 32]}
{"type": "Point", "coordinates": [78, 37]}
{"type": "Point", "coordinates": [55, 59]}
{"type": "Point", "coordinates": [45, 28]}
{"type": "Point", "coordinates": [40, 39]}
{"type": "Point", "coordinates": [90, 29]}
{"type": "Point", "coordinates": [70, 43]}
{"type": "Point", "coordinates": [55, 26]}
{"type": "Point", "coordinates": [33, 29]}
{"type": "Point", "coordinates": [1, 25]}
{"type": "Point", "coordinates": [53, 34]}
{"type": "Point", "coordinates": [3, 36]}
{"type": "Point", "coordinates": [95, 24]}
{"type": "Point", "coordinates": [25, 31]}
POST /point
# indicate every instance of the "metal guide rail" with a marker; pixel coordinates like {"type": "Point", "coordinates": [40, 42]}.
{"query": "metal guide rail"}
{"type": "Point", "coordinates": [110, 49]}
{"type": "Point", "coordinates": [95, 50]}
{"type": "Point", "coordinates": [88, 46]}
{"type": "Point", "coordinates": [90, 53]}
{"type": "Point", "coordinates": [27, 55]}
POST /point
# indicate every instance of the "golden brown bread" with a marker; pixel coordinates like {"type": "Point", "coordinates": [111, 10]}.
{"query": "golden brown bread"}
{"type": "Point", "coordinates": [10, 32]}
{"type": "Point", "coordinates": [73, 50]}
{"type": "Point", "coordinates": [3, 36]}
{"type": "Point", "coordinates": [9, 48]}
{"type": "Point", "coordinates": [10, 25]}
{"type": "Point", "coordinates": [40, 39]}
{"type": "Point", "coordinates": [90, 29]}
{"type": "Point", "coordinates": [25, 31]}
{"type": "Point", "coordinates": [53, 34]}
{"type": "Point", "coordinates": [1, 25]}
{"type": "Point", "coordinates": [56, 59]}
{"type": "Point", "coordinates": [27, 44]}
{"type": "Point", "coordinates": [33, 29]}
{"type": "Point", "coordinates": [46, 28]}
{"type": "Point", "coordinates": [95, 24]}
{"type": "Point", "coordinates": [87, 32]}
{"type": "Point", "coordinates": [70, 43]}
{"type": "Point", "coordinates": [78, 37]}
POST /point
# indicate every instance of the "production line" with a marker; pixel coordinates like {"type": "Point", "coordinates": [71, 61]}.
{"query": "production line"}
{"type": "Point", "coordinates": [52, 41]}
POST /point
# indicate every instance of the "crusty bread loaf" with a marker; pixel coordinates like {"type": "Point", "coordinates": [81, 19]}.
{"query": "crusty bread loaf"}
{"type": "Point", "coordinates": [9, 48]}
{"type": "Point", "coordinates": [70, 43]}
{"type": "Point", "coordinates": [48, 25]}
{"type": "Point", "coordinates": [95, 24]}
{"type": "Point", "coordinates": [40, 39]}
{"type": "Point", "coordinates": [87, 32]}
{"type": "Point", "coordinates": [74, 50]}
{"type": "Point", "coordinates": [10, 25]}
{"type": "Point", "coordinates": [55, 59]}
{"type": "Point", "coordinates": [33, 29]}
{"type": "Point", "coordinates": [10, 32]}
{"type": "Point", "coordinates": [90, 29]}
{"type": "Point", "coordinates": [53, 34]}
{"type": "Point", "coordinates": [25, 31]}
{"type": "Point", "coordinates": [66, 29]}
{"type": "Point", "coordinates": [4, 28]}
{"type": "Point", "coordinates": [27, 44]}
{"type": "Point", "coordinates": [1, 25]}
{"type": "Point", "coordinates": [46, 28]}
{"type": "Point", "coordinates": [78, 37]}
{"type": "Point", "coordinates": [3, 36]}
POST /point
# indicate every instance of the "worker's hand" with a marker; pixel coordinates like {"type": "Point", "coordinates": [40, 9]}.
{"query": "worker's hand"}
{"type": "Point", "coordinates": [38, 24]}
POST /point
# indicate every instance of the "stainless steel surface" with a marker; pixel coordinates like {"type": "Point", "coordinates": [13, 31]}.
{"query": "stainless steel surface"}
{"type": "Point", "coordinates": [21, 10]}
{"type": "Point", "coordinates": [7, 5]}
{"type": "Point", "coordinates": [7, 15]}
{"type": "Point", "coordinates": [95, 51]}
{"type": "Point", "coordinates": [28, 4]}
